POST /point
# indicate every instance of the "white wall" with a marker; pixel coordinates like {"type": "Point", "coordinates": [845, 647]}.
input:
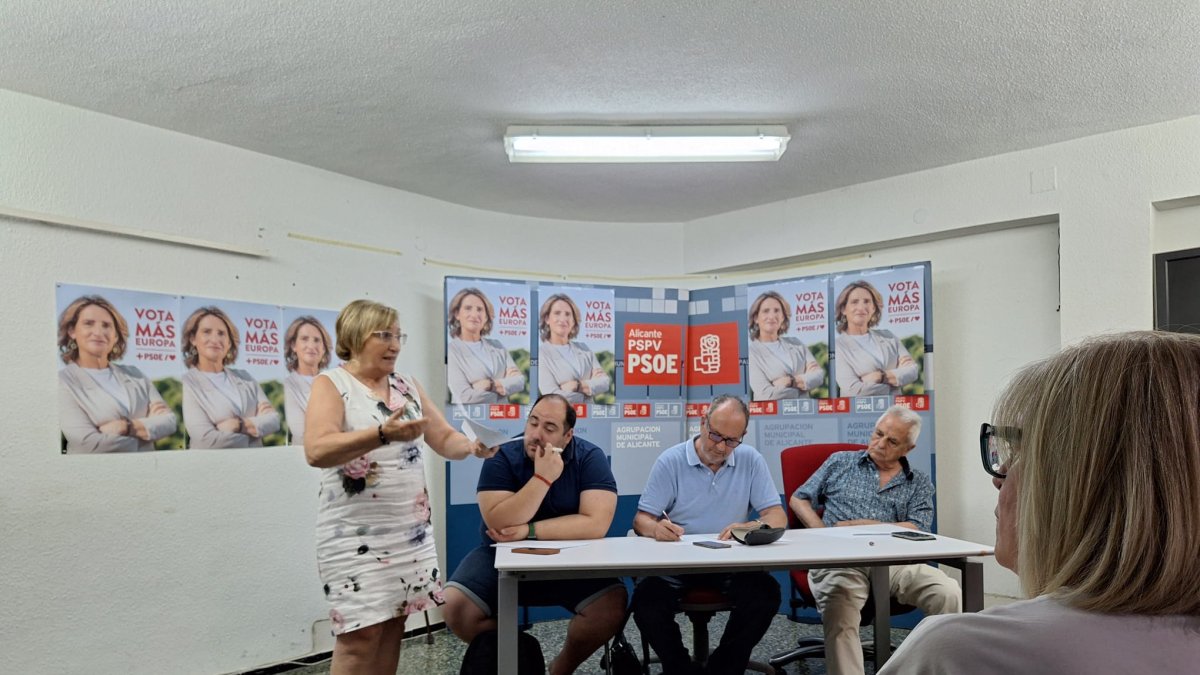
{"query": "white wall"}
{"type": "Point", "coordinates": [203, 561]}
{"type": "Point", "coordinates": [1177, 229]}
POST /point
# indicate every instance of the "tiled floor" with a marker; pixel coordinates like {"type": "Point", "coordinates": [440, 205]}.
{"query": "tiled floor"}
{"type": "Point", "coordinates": [445, 654]}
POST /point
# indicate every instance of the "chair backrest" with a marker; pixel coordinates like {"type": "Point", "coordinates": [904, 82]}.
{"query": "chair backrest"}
{"type": "Point", "coordinates": [800, 462]}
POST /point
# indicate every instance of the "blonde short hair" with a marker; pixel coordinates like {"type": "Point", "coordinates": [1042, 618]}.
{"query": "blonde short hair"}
{"type": "Point", "coordinates": [357, 321]}
{"type": "Point", "coordinates": [456, 304]}
{"type": "Point", "coordinates": [758, 303]}
{"type": "Point", "coordinates": [190, 356]}
{"type": "Point", "coordinates": [1108, 449]}
{"type": "Point", "coordinates": [544, 316]}
{"type": "Point", "coordinates": [67, 348]}
{"type": "Point", "coordinates": [289, 342]}
{"type": "Point", "coordinates": [839, 308]}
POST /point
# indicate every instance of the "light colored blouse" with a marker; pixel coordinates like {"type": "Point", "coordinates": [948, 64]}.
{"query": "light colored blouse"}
{"type": "Point", "coordinates": [854, 361]}
{"type": "Point", "coordinates": [771, 360]}
{"type": "Point", "coordinates": [468, 362]}
{"type": "Point", "coordinates": [205, 405]}
{"type": "Point", "coordinates": [562, 363]}
{"type": "Point", "coordinates": [84, 404]}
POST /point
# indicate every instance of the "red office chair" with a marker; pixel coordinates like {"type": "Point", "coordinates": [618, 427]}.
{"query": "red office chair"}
{"type": "Point", "coordinates": [799, 463]}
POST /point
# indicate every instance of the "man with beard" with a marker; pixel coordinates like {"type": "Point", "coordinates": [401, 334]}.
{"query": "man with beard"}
{"type": "Point", "coordinates": [548, 485]}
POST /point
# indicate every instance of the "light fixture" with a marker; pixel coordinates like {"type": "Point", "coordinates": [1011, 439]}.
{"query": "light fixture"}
{"type": "Point", "coordinates": [717, 143]}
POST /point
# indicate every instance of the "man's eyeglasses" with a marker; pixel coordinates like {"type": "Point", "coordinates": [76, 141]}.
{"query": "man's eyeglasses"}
{"type": "Point", "coordinates": [994, 447]}
{"type": "Point", "coordinates": [388, 336]}
{"type": "Point", "coordinates": [730, 443]}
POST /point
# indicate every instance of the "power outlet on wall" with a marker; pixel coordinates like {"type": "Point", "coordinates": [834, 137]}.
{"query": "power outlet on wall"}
{"type": "Point", "coordinates": [322, 636]}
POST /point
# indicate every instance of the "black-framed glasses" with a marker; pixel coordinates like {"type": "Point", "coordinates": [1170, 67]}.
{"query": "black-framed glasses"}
{"type": "Point", "coordinates": [730, 443]}
{"type": "Point", "coordinates": [388, 336]}
{"type": "Point", "coordinates": [387, 412]}
{"type": "Point", "coordinates": [993, 447]}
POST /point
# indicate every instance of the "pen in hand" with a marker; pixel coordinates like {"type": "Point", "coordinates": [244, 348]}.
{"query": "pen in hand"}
{"type": "Point", "coordinates": [673, 531]}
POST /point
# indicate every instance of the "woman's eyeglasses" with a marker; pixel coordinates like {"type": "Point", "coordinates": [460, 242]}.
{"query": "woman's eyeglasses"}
{"type": "Point", "coordinates": [994, 447]}
{"type": "Point", "coordinates": [389, 336]}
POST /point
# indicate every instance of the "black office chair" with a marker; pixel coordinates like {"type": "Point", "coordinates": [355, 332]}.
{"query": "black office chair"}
{"type": "Point", "coordinates": [700, 605]}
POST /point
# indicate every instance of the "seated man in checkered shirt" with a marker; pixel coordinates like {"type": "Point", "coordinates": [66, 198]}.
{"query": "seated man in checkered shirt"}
{"type": "Point", "coordinates": [863, 487]}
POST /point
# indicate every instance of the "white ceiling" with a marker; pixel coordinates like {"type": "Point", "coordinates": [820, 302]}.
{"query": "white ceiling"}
{"type": "Point", "coordinates": [416, 94]}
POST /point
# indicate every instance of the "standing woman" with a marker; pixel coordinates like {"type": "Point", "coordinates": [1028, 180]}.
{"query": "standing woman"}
{"type": "Point", "coordinates": [478, 370]}
{"type": "Point", "coordinates": [780, 367]}
{"type": "Point", "coordinates": [870, 361]}
{"type": "Point", "coordinates": [375, 550]}
{"type": "Point", "coordinates": [306, 353]}
{"type": "Point", "coordinates": [223, 407]}
{"type": "Point", "coordinates": [566, 367]}
{"type": "Point", "coordinates": [102, 406]}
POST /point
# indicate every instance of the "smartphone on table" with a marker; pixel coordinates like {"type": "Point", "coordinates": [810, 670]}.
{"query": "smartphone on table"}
{"type": "Point", "coordinates": [913, 535]}
{"type": "Point", "coordinates": [712, 544]}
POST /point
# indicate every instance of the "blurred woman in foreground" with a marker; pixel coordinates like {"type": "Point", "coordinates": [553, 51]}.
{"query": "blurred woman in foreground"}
{"type": "Point", "coordinates": [1096, 453]}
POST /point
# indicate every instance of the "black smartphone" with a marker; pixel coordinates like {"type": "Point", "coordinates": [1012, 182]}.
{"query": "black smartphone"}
{"type": "Point", "coordinates": [712, 544]}
{"type": "Point", "coordinates": [913, 535]}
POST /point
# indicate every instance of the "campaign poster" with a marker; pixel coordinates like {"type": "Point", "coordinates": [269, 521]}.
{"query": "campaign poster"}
{"type": "Point", "coordinates": [119, 370]}
{"type": "Point", "coordinates": [309, 345]}
{"type": "Point", "coordinates": [489, 325]}
{"type": "Point", "coordinates": [654, 354]}
{"type": "Point", "coordinates": [788, 331]}
{"type": "Point", "coordinates": [879, 334]}
{"type": "Point", "coordinates": [577, 343]}
{"type": "Point", "coordinates": [233, 387]}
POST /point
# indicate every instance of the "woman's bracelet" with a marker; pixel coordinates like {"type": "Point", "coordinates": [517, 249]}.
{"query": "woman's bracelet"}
{"type": "Point", "coordinates": [383, 440]}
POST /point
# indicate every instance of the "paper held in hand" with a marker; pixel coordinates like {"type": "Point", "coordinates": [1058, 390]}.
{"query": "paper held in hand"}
{"type": "Point", "coordinates": [488, 436]}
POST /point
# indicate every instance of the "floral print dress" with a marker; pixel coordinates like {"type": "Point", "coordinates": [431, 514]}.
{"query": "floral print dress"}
{"type": "Point", "coordinates": [375, 551]}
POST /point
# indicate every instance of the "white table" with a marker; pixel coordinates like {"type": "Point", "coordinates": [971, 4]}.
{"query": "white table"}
{"type": "Point", "coordinates": [860, 546]}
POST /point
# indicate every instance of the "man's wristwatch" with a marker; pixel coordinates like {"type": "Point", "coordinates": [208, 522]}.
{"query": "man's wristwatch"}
{"type": "Point", "coordinates": [532, 532]}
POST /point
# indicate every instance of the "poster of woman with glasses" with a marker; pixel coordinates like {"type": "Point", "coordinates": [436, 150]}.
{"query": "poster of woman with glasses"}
{"type": "Point", "coordinates": [232, 395]}
{"type": "Point", "coordinates": [487, 341]}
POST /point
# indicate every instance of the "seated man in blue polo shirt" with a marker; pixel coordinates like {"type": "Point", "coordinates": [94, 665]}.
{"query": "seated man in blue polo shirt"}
{"type": "Point", "coordinates": [549, 484]}
{"type": "Point", "coordinates": [708, 484]}
{"type": "Point", "coordinates": [863, 487]}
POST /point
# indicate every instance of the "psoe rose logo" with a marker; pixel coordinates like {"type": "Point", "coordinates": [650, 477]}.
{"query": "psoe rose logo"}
{"type": "Point", "coordinates": [709, 359]}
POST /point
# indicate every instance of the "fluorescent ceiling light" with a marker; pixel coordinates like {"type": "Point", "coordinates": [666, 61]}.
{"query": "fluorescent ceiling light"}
{"type": "Point", "coordinates": [720, 143]}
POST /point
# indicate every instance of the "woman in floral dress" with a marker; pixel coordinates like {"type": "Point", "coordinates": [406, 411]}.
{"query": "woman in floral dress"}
{"type": "Point", "coordinates": [375, 548]}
